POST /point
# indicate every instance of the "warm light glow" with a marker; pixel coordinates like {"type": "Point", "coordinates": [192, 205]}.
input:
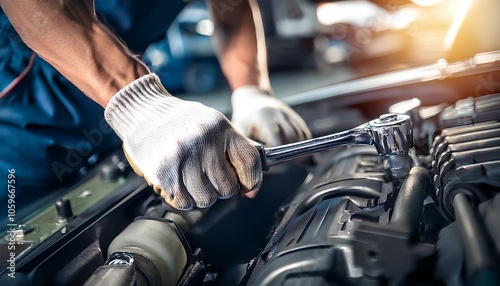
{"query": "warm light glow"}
{"type": "Point", "coordinates": [456, 23]}
{"type": "Point", "coordinates": [426, 3]}
{"type": "Point", "coordinates": [403, 18]}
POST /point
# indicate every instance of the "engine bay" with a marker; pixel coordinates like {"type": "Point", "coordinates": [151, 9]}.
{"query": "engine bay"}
{"type": "Point", "coordinates": [339, 217]}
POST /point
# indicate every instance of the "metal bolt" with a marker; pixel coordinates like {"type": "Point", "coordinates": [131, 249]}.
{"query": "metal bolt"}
{"type": "Point", "coordinates": [21, 230]}
{"type": "Point", "coordinates": [120, 258]}
{"type": "Point", "coordinates": [388, 117]}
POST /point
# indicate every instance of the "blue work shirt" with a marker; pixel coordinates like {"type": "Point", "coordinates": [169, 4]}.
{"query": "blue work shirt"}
{"type": "Point", "coordinates": [49, 130]}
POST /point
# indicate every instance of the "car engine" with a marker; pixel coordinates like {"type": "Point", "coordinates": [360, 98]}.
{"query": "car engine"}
{"type": "Point", "coordinates": [354, 224]}
{"type": "Point", "coordinates": [337, 217]}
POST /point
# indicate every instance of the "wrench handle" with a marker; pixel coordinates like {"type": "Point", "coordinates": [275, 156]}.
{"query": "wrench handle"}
{"type": "Point", "coordinates": [263, 159]}
{"type": "Point", "coordinates": [274, 155]}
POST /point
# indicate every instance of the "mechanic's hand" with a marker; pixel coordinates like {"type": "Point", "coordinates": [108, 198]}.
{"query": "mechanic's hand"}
{"type": "Point", "coordinates": [188, 153]}
{"type": "Point", "coordinates": [261, 117]}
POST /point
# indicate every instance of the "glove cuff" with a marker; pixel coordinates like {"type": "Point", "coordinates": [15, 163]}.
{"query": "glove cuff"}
{"type": "Point", "coordinates": [140, 98]}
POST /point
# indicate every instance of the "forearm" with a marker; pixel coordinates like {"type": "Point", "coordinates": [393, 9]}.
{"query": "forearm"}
{"type": "Point", "coordinates": [68, 35]}
{"type": "Point", "coordinates": [240, 42]}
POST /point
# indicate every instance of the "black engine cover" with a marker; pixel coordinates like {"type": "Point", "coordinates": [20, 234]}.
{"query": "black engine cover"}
{"type": "Point", "coordinates": [311, 246]}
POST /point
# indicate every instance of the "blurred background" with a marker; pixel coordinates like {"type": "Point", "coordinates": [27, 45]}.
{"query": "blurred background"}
{"type": "Point", "coordinates": [312, 44]}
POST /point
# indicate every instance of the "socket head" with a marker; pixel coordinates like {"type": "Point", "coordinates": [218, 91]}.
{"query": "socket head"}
{"type": "Point", "coordinates": [393, 137]}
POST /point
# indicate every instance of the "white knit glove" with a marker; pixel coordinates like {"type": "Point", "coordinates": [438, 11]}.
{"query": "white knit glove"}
{"type": "Point", "coordinates": [261, 117]}
{"type": "Point", "coordinates": [189, 153]}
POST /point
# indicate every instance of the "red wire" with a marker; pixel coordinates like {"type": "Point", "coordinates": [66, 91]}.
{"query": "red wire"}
{"type": "Point", "coordinates": [18, 79]}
